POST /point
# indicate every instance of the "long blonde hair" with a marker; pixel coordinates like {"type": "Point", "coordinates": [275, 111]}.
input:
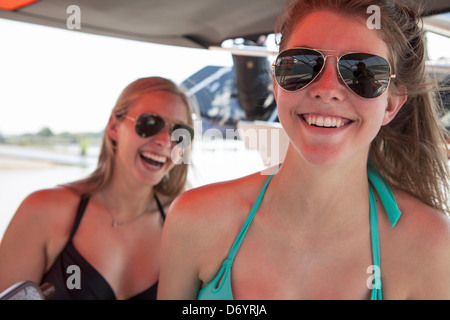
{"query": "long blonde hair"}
{"type": "Point", "coordinates": [409, 152]}
{"type": "Point", "coordinates": [175, 181]}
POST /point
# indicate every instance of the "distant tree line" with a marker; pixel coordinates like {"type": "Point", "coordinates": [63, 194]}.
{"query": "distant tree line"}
{"type": "Point", "coordinates": [46, 138]}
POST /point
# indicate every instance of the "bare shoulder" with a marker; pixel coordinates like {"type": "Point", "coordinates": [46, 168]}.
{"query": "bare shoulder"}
{"type": "Point", "coordinates": [50, 196]}
{"type": "Point", "coordinates": [423, 223]}
{"type": "Point", "coordinates": [48, 205]}
{"type": "Point", "coordinates": [46, 216]}
{"type": "Point", "coordinates": [214, 213]}
{"type": "Point", "coordinates": [35, 235]}
{"type": "Point", "coordinates": [218, 200]}
{"type": "Point", "coordinates": [422, 238]}
{"type": "Point", "coordinates": [199, 231]}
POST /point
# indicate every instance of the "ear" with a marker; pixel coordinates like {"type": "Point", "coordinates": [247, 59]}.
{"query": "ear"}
{"type": "Point", "coordinates": [395, 102]}
{"type": "Point", "coordinates": [112, 128]}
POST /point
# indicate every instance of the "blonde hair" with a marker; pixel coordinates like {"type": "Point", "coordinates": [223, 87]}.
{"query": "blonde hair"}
{"type": "Point", "coordinates": [175, 181]}
{"type": "Point", "coordinates": [409, 152]}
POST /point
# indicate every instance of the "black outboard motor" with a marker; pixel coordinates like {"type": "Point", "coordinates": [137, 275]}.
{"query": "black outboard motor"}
{"type": "Point", "coordinates": [254, 85]}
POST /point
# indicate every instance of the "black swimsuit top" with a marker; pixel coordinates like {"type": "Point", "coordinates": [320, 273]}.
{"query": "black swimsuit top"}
{"type": "Point", "coordinates": [92, 284]}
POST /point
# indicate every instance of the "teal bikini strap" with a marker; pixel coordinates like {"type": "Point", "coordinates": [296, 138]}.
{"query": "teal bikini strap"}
{"type": "Point", "coordinates": [241, 235]}
{"type": "Point", "coordinates": [220, 287]}
{"type": "Point", "coordinates": [376, 283]}
{"type": "Point", "coordinates": [385, 194]}
{"type": "Point", "coordinates": [387, 200]}
{"type": "Point", "coordinates": [393, 212]}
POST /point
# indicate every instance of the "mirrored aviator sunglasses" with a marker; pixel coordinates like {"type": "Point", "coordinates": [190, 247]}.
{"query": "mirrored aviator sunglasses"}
{"type": "Point", "coordinates": [365, 74]}
{"type": "Point", "coordinates": [148, 124]}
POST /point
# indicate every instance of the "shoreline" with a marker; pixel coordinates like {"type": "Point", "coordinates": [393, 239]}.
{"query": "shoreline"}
{"type": "Point", "coordinates": [15, 163]}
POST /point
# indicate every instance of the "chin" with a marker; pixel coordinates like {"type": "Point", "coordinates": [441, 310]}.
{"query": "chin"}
{"type": "Point", "coordinates": [148, 179]}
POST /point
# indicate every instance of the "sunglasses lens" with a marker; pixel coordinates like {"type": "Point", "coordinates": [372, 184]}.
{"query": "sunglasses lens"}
{"type": "Point", "coordinates": [296, 68]}
{"type": "Point", "coordinates": [181, 132]}
{"type": "Point", "coordinates": [148, 125]}
{"type": "Point", "coordinates": [367, 75]}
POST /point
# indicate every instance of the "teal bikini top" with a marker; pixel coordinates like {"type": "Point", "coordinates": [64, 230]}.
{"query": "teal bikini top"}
{"type": "Point", "coordinates": [223, 291]}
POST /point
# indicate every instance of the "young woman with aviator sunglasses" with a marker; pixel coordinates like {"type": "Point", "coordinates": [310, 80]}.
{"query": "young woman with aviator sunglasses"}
{"type": "Point", "coordinates": [357, 209]}
{"type": "Point", "coordinates": [108, 225]}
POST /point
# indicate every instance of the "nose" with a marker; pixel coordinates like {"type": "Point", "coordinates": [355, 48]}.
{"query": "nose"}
{"type": "Point", "coordinates": [328, 86]}
{"type": "Point", "coordinates": [163, 138]}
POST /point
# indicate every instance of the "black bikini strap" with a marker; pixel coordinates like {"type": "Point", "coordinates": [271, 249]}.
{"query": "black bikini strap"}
{"type": "Point", "coordinates": [84, 200]}
{"type": "Point", "coordinates": [80, 211]}
{"type": "Point", "coordinates": [160, 207]}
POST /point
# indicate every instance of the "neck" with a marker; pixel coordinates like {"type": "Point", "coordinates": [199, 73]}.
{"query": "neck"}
{"type": "Point", "coordinates": [322, 197]}
{"type": "Point", "coordinates": [127, 201]}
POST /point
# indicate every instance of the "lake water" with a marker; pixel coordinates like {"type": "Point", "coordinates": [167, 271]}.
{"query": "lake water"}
{"type": "Point", "coordinates": [212, 162]}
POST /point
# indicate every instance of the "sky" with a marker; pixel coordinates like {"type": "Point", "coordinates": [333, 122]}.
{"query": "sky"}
{"type": "Point", "coordinates": [69, 81]}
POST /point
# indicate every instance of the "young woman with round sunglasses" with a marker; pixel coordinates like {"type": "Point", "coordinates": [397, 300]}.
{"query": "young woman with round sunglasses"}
{"type": "Point", "coordinates": [99, 238]}
{"type": "Point", "coordinates": [358, 208]}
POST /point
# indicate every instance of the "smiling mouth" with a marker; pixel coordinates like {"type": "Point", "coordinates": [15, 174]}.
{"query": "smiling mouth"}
{"type": "Point", "coordinates": [325, 121]}
{"type": "Point", "coordinates": [153, 159]}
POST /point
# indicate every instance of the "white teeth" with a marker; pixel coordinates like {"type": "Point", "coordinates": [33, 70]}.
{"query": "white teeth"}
{"type": "Point", "coordinates": [328, 122]}
{"type": "Point", "coordinates": [319, 121]}
{"type": "Point", "coordinates": [154, 157]}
